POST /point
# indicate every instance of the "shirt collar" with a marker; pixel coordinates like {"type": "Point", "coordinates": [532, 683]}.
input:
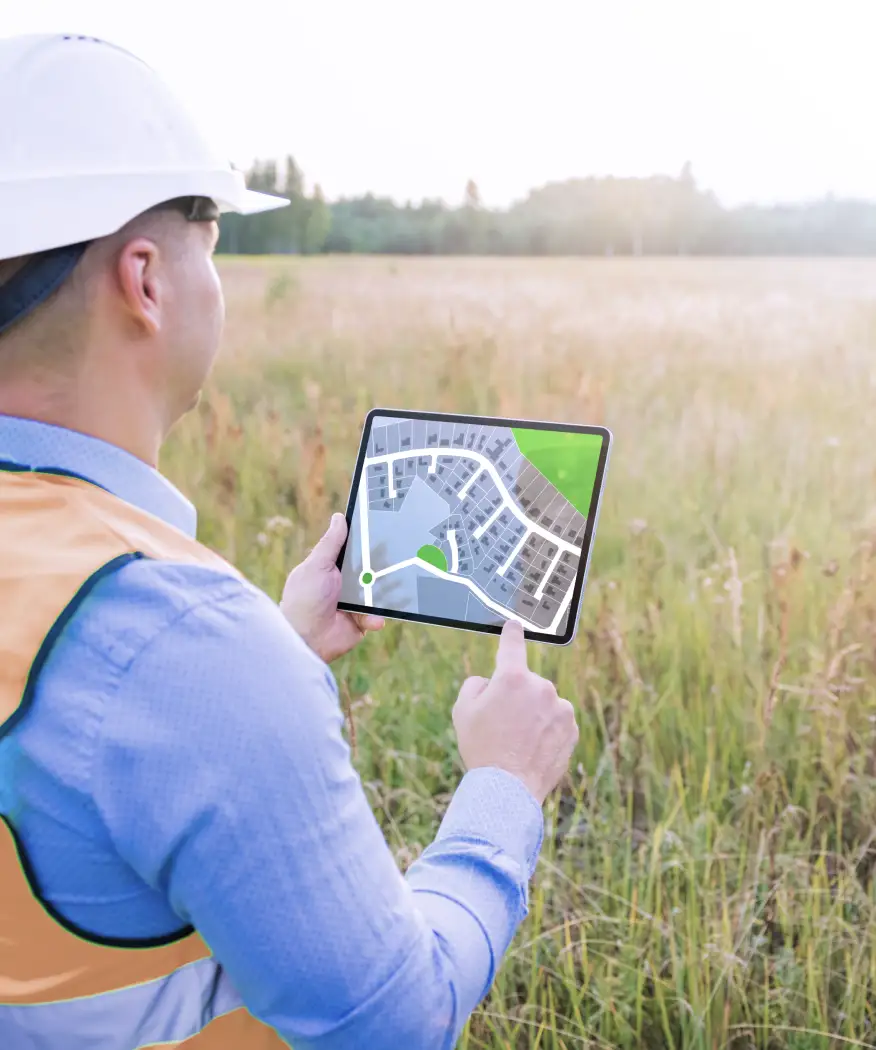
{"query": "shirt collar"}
{"type": "Point", "coordinates": [35, 445]}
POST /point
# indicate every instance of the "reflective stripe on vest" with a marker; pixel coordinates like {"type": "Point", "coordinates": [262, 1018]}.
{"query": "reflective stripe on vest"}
{"type": "Point", "coordinates": [165, 1011]}
{"type": "Point", "coordinates": [61, 989]}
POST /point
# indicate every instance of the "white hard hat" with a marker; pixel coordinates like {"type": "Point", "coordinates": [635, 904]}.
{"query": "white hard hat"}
{"type": "Point", "coordinates": [90, 137]}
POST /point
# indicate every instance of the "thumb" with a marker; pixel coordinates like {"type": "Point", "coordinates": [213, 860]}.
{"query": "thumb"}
{"type": "Point", "coordinates": [472, 688]}
{"type": "Point", "coordinates": [326, 551]}
{"type": "Point", "coordinates": [470, 691]}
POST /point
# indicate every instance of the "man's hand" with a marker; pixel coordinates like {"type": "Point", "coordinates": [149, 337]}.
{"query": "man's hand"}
{"type": "Point", "coordinates": [515, 721]}
{"type": "Point", "coordinates": [310, 599]}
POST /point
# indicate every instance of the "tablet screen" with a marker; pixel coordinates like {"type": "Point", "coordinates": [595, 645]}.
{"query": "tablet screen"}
{"type": "Point", "coordinates": [468, 522]}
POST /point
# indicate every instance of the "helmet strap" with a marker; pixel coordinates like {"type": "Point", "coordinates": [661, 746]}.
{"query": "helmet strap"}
{"type": "Point", "coordinates": [35, 282]}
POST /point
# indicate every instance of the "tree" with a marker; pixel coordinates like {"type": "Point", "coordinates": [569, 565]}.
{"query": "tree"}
{"type": "Point", "coordinates": [318, 224]}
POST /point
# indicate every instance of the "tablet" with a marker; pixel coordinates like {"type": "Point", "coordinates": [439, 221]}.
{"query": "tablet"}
{"type": "Point", "coordinates": [468, 521]}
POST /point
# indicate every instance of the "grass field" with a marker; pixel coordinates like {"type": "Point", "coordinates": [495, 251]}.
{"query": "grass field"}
{"type": "Point", "coordinates": [707, 875]}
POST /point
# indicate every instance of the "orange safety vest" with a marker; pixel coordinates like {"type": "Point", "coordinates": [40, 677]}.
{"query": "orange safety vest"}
{"type": "Point", "coordinates": [59, 987]}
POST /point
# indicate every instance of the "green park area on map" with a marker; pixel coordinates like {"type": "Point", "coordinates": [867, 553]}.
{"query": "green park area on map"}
{"type": "Point", "coordinates": [433, 556]}
{"type": "Point", "coordinates": [569, 461]}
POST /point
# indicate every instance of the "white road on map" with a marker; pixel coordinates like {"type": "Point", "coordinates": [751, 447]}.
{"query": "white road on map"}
{"type": "Point", "coordinates": [389, 458]}
{"type": "Point", "coordinates": [454, 550]}
{"type": "Point", "coordinates": [364, 538]}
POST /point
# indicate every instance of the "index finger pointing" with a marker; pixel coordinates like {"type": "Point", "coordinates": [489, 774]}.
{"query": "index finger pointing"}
{"type": "Point", "coordinates": [511, 655]}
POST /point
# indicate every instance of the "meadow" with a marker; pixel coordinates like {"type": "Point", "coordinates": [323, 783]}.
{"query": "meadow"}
{"type": "Point", "coordinates": [707, 878]}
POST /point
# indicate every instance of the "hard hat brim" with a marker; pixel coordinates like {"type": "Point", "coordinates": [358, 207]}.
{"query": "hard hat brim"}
{"type": "Point", "coordinates": [85, 208]}
{"type": "Point", "coordinates": [252, 202]}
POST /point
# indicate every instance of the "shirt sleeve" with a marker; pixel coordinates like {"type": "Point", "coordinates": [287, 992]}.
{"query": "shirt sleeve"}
{"type": "Point", "coordinates": [223, 779]}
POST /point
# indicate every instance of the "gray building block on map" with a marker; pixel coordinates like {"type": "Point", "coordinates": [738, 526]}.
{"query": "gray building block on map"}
{"type": "Point", "coordinates": [563, 519]}
{"type": "Point", "coordinates": [560, 583]}
{"type": "Point", "coordinates": [437, 597]}
{"type": "Point", "coordinates": [378, 441]}
{"type": "Point", "coordinates": [504, 545]}
{"type": "Point", "coordinates": [575, 532]}
{"type": "Point", "coordinates": [529, 482]}
{"type": "Point", "coordinates": [484, 573]}
{"type": "Point", "coordinates": [500, 590]}
{"type": "Point", "coordinates": [541, 562]}
{"type": "Point", "coordinates": [546, 611]}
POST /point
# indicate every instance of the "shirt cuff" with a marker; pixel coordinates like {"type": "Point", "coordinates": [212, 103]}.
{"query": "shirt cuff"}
{"type": "Point", "coordinates": [496, 807]}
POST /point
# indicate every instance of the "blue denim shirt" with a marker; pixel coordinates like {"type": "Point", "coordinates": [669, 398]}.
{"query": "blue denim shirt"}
{"type": "Point", "coordinates": [183, 762]}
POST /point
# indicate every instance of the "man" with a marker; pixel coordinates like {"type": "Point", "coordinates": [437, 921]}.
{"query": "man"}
{"type": "Point", "coordinates": [187, 856]}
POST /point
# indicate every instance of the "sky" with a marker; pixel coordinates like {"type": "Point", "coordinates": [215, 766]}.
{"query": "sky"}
{"type": "Point", "coordinates": [768, 99]}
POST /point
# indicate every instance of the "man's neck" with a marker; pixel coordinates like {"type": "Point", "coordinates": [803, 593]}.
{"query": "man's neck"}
{"type": "Point", "coordinates": [103, 417]}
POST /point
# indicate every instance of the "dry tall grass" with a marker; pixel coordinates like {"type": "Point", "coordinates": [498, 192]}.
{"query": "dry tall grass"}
{"type": "Point", "coordinates": [707, 875]}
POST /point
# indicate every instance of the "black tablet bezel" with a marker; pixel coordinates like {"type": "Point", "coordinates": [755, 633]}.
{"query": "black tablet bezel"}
{"type": "Point", "coordinates": [495, 421]}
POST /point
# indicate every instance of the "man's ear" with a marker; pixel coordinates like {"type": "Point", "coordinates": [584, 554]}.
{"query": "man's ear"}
{"type": "Point", "coordinates": [138, 272]}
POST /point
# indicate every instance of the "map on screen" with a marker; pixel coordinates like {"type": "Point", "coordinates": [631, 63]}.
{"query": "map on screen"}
{"type": "Point", "coordinates": [470, 522]}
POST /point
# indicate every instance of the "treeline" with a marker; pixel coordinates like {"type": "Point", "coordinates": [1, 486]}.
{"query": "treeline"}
{"type": "Point", "coordinates": [302, 228]}
{"type": "Point", "coordinates": [660, 215]}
